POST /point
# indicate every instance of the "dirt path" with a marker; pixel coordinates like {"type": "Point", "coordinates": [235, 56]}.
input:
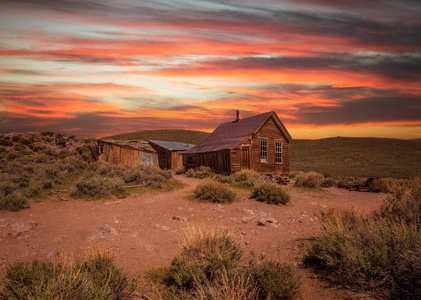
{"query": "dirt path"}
{"type": "Point", "coordinates": [143, 230]}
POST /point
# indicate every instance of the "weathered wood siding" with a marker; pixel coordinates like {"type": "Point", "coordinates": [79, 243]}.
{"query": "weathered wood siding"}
{"type": "Point", "coordinates": [237, 159]}
{"type": "Point", "coordinates": [218, 161]}
{"type": "Point", "coordinates": [270, 133]}
{"type": "Point", "coordinates": [173, 159]}
{"type": "Point", "coordinates": [123, 155]}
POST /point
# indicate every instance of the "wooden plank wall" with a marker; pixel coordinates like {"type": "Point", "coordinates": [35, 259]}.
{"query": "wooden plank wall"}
{"type": "Point", "coordinates": [271, 133]}
{"type": "Point", "coordinates": [121, 155]}
{"type": "Point", "coordinates": [218, 161]}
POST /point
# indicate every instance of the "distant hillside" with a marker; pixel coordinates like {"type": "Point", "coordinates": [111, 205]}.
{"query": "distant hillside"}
{"type": "Point", "coordinates": [358, 157]}
{"type": "Point", "coordinates": [178, 135]}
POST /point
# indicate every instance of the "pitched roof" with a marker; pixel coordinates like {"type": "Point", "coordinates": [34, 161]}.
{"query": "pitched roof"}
{"type": "Point", "coordinates": [230, 134]}
{"type": "Point", "coordinates": [172, 146]}
{"type": "Point", "coordinates": [135, 144]}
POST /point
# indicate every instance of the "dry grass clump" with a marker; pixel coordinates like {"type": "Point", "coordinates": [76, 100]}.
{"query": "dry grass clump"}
{"type": "Point", "coordinates": [248, 178]}
{"type": "Point", "coordinates": [214, 192]}
{"type": "Point", "coordinates": [270, 193]}
{"type": "Point", "coordinates": [313, 180]}
{"type": "Point", "coordinates": [209, 267]}
{"type": "Point", "coordinates": [224, 178]}
{"type": "Point", "coordinates": [377, 252]}
{"type": "Point", "coordinates": [200, 173]}
{"type": "Point", "coordinates": [95, 276]}
{"type": "Point", "coordinates": [93, 185]}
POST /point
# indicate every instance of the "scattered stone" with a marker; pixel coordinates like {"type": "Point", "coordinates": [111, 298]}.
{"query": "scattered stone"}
{"type": "Point", "coordinates": [63, 199]}
{"type": "Point", "coordinates": [181, 219]}
{"type": "Point", "coordinates": [246, 211]}
{"type": "Point", "coordinates": [108, 228]}
{"type": "Point", "coordinates": [247, 243]}
{"type": "Point", "coordinates": [271, 220]}
{"type": "Point", "coordinates": [163, 228]}
{"type": "Point", "coordinates": [261, 223]}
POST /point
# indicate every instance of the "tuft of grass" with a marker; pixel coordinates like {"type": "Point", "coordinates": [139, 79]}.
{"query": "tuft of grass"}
{"type": "Point", "coordinates": [270, 193]}
{"type": "Point", "coordinates": [209, 267]}
{"type": "Point", "coordinates": [214, 192]}
{"type": "Point", "coordinates": [248, 178]}
{"type": "Point", "coordinates": [275, 280]}
{"type": "Point", "coordinates": [93, 185]}
{"type": "Point", "coordinates": [377, 252]}
{"type": "Point", "coordinates": [13, 201]}
{"type": "Point", "coordinates": [95, 276]}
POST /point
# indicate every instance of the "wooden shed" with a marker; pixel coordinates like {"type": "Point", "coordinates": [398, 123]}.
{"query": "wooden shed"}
{"type": "Point", "coordinates": [259, 143]}
{"type": "Point", "coordinates": [130, 153]}
{"type": "Point", "coordinates": [169, 153]}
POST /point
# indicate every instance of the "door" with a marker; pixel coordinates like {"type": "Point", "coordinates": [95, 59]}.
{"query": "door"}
{"type": "Point", "coordinates": [245, 158]}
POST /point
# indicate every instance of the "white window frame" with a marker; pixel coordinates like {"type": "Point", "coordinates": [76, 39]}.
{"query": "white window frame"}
{"type": "Point", "coordinates": [264, 151]}
{"type": "Point", "coordinates": [278, 152]}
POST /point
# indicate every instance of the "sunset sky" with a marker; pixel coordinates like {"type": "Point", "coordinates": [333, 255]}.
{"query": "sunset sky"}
{"type": "Point", "coordinates": [102, 67]}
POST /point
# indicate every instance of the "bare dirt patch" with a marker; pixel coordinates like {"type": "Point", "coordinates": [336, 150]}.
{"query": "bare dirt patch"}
{"type": "Point", "coordinates": [143, 230]}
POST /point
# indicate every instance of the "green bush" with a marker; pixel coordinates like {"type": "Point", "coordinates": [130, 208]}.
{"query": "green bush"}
{"type": "Point", "coordinates": [191, 173]}
{"type": "Point", "coordinates": [270, 193]}
{"type": "Point", "coordinates": [376, 252]}
{"type": "Point", "coordinates": [214, 192]}
{"type": "Point", "coordinates": [93, 277]}
{"type": "Point", "coordinates": [94, 185]}
{"type": "Point", "coordinates": [310, 179]}
{"type": "Point", "coordinates": [13, 201]}
{"type": "Point", "coordinates": [225, 179]}
{"type": "Point", "coordinates": [248, 178]}
{"type": "Point", "coordinates": [179, 171]}
{"type": "Point", "coordinates": [275, 280]}
{"type": "Point", "coordinates": [203, 172]}
{"type": "Point", "coordinates": [5, 142]}
{"type": "Point", "coordinates": [209, 267]}
{"type": "Point", "coordinates": [206, 253]}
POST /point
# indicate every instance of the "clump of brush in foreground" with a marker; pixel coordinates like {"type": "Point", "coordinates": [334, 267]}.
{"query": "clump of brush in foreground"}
{"type": "Point", "coordinates": [379, 252]}
{"type": "Point", "coordinates": [95, 276]}
{"type": "Point", "coordinates": [270, 193]}
{"type": "Point", "coordinates": [214, 192]}
{"type": "Point", "coordinates": [210, 267]}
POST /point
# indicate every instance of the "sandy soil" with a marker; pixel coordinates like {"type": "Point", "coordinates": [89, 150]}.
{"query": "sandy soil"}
{"type": "Point", "coordinates": [143, 230]}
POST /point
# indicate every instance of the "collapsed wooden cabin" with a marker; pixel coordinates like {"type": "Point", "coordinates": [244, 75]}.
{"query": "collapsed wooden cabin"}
{"type": "Point", "coordinates": [259, 143]}
{"type": "Point", "coordinates": [130, 153]}
{"type": "Point", "coordinates": [169, 153]}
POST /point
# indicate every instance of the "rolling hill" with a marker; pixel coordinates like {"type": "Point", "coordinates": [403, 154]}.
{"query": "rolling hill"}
{"type": "Point", "coordinates": [339, 156]}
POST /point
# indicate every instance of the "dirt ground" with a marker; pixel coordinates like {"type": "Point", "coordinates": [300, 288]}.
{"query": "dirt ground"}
{"type": "Point", "coordinates": [143, 230]}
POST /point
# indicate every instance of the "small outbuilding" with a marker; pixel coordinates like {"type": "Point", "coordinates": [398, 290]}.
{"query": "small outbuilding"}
{"type": "Point", "coordinates": [259, 143]}
{"type": "Point", "coordinates": [122, 152]}
{"type": "Point", "coordinates": [169, 153]}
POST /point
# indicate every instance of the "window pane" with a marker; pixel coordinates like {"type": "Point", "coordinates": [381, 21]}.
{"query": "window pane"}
{"type": "Point", "coordinates": [278, 152]}
{"type": "Point", "coordinates": [263, 151]}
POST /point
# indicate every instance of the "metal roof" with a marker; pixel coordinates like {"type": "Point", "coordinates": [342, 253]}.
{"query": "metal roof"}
{"type": "Point", "coordinates": [230, 134]}
{"type": "Point", "coordinates": [135, 144]}
{"type": "Point", "coordinates": [172, 146]}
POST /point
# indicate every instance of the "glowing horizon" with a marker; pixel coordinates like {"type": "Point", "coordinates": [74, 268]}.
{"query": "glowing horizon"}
{"type": "Point", "coordinates": [97, 68]}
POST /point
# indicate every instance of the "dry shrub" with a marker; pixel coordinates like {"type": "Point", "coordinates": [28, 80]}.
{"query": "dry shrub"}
{"type": "Point", "coordinates": [375, 252]}
{"type": "Point", "coordinates": [209, 267]}
{"type": "Point", "coordinates": [13, 201]}
{"type": "Point", "coordinates": [270, 193]}
{"type": "Point", "coordinates": [248, 178]}
{"type": "Point", "coordinates": [224, 179]}
{"type": "Point", "coordinates": [95, 276]}
{"type": "Point", "coordinates": [179, 171]}
{"type": "Point", "coordinates": [310, 179]}
{"type": "Point", "coordinates": [214, 192]}
{"type": "Point", "coordinates": [93, 185]}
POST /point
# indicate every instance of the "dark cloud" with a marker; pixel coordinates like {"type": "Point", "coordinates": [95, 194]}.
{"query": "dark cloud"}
{"type": "Point", "coordinates": [366, 110]}
{"type": "Point", "coordinates": [396, 67]}
{"type": "Point", "coordinates": [96, 124]}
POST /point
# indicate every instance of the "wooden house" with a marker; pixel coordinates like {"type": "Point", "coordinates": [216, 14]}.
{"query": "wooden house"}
{"type": "Point", "coordinates": [130, 153]}
{"type": "Point", "coordinates": [169, 153]}
{"type": "Point", "coordinates": [259, 143]}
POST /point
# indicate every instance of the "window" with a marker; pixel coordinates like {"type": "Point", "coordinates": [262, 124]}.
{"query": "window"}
{"type": "Point", "coordinates": [264, 151]}
{"type": "Point", "coordinates": [190, 160]}
{"type": "Point", "coordinates": [164, 159]}
{"type": "Point", "coordinates": [278, 152]}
